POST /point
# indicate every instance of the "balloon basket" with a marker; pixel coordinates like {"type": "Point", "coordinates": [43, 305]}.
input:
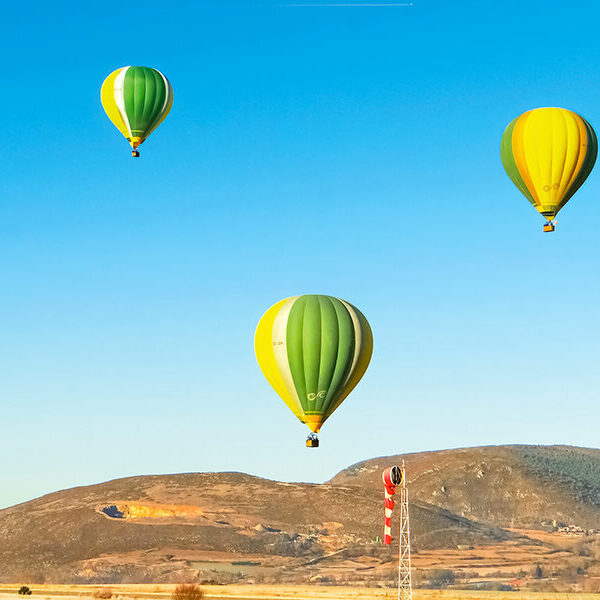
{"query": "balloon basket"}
{"type": "Point", "coordinates": [549, 227]}
{"type": "Point", "coordinates": [312, 441]}
{"type": "Point", "coordinates": [135, 153]}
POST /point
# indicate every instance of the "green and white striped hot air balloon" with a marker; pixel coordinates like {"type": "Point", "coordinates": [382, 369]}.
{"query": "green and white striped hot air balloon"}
{"type": "Point", "coordinates": [313, 350]}
{"type": "Point", "coordinates": [136, 100]}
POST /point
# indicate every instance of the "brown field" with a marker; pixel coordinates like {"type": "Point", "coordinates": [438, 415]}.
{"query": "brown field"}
{"type": "Point", "coordinates": [276, 592]}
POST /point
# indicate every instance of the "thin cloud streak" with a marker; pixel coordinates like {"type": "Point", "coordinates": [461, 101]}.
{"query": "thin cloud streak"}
{"type": "Point", "coordinates": [370, 5]}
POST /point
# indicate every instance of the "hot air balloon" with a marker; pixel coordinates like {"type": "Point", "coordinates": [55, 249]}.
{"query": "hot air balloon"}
{"type": "Point", "coordinates": [313, 350]}
{"type": "Point", "coordinates": [136, 100]}
{"type": "Point", "coordinates": [548, 153]}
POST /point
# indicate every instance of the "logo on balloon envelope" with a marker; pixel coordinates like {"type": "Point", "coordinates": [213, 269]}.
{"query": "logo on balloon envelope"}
{"type": "Point", "coordinates": [320, 395]}
{"type": "Point", "coordinates": [554, 186]}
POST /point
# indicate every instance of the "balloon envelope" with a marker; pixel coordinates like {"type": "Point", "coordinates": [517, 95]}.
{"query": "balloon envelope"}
{"type": "Point", "coordinates": [548, 153]}
{"type": "Point", "coordinates": [136, 100]}
{"type": "Point", "coordinates": [313, 350]}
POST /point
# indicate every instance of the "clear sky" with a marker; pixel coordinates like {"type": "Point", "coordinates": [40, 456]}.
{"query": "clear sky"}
{"type": "Point", "coordinates": [350, 151]}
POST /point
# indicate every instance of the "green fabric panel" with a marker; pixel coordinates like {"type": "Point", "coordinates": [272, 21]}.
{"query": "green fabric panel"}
{"type": "Point", "coordinates": [587, 165]}
{"type": "Point", "coordinates": [508, 160]}
{"type": "Point", "coordinates": [311, 348]}
{"type": "Point", "coordinates": [360, 367]}
{"type": "Point", "coordinates": [320, 340]}
{"type": "Point", "coordinates": [155, 109]}
{"type": "Point", "coordinates": [345, 356]}
{"type": "Point", "coordinates": [144, 92]}
{"type": "Point", "coordinates": [329, 349]}
{"type": "Point", "coordinates": [134, 92]}
{"type": "Point", "coordinates": [295, 350]}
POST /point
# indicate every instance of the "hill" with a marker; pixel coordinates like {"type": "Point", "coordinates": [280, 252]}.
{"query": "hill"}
{"type": "Point", "coordinates": [506, 486]}
{"type": "Point", "coordinates": [506, 508]}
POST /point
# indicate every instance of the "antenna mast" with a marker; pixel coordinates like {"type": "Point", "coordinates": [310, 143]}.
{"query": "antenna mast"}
{"type": "Point", "coordinates": [404, 570]}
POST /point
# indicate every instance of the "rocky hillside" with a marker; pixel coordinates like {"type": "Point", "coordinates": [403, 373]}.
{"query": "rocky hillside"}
{"type": "Point", "coordinates": [503, 486]}
{"type": "Point", "coordinates": [236, 527]}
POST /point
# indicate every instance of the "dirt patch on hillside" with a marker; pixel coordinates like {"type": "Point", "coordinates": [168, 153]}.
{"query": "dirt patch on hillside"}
{"type": "Point", "coordinates": [123, 511]}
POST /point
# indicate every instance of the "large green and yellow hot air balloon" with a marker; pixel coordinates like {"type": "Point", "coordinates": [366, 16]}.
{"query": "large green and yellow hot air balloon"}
{"type": "Point", "coordinates": [548, 153]}
{"type": "Point", "coordinates": [313, 350]}
{"type": "Point", "coordinates": [136, 100]}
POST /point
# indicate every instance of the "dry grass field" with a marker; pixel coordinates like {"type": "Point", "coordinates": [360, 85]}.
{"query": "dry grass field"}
{"type": "Point", "coordinates": [275, 592]}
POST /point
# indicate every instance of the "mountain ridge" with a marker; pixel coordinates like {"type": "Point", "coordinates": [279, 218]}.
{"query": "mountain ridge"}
{"type": "Point", "coordinates": [202, 526]}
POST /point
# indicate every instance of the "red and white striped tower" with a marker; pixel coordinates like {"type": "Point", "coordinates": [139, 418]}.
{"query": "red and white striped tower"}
{"type": "Point", "coordinates": [392, 477]}
{"type": "Point", "coordinates": [404, 566]}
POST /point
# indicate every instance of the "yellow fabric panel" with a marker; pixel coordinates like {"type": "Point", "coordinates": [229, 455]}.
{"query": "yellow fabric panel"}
{"type": "Point", "coordinates": [549, 146]}
{"type": "Point", "coordinates": [519, 154]}
{"type": "Point", "coordinates": [582, 152]}
{"type": "Point", "coordinates": [263, 347]}
{"type": "Point", "coordinates": [545, 145]}
{"type": "Point", "coordinates": [314, 422]}
{"type": "Point", "coordinates": [107, 97]}
{"type": "Point", "coordinates": [280, 351]}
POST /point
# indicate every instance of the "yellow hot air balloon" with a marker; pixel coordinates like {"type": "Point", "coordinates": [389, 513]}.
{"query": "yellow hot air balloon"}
{"type": "Point", "coordinates": [548, 153]}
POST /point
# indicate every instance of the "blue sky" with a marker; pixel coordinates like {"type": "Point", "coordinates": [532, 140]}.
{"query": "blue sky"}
{"type": "Point", "coordinates": [351, 151]}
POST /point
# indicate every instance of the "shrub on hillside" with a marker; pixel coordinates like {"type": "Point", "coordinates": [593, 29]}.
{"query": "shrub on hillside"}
{"type": "Point", "coordinates": [440, 578]}
{"type": "Point", "coordinates": [187, 591]}
{"type": "Point", "coordinates": [491, 586]}
{"type": "Point", "coordinates": [24, 591]}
